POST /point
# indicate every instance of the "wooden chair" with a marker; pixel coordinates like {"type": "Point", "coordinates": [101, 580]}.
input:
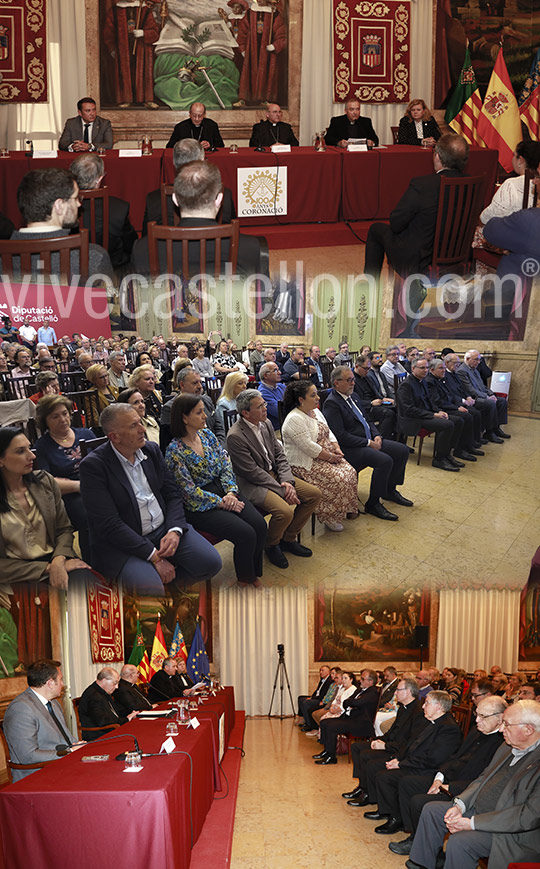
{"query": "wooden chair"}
{"type": "Point", "coordinates": [167, 239]}
{"type": "Point", "coordinates": [326, 367]}
{"type": "Point", "coordinates": [86, 403]}
{"type": "Point", "coordinates": [11, 765]}
{"type": "Point", "coordinates": [17, 255]}
{"type": "Point", "coordinates": [99, 731]}
{"type": "Point", "coordinates": [395, 135]}
{"type": "Point", "coordinates": [422, 434]}
{"type": "Point", "coordinates": [463, 714]}
{"type": "Point", "coordinates": [72, 381]}
{"type": "Point", "coordinates": [98, 201]}
{"type": "Point", "coordinates": [167, 191]}
{"type": "Point", "coordinates": [88, 446]}
{"type": "Point", "coordinates": [460, 203]}
{"type": "Point", "coordinates": [17, 387]}
{"type": "Point", "coordinates": [229, 416]}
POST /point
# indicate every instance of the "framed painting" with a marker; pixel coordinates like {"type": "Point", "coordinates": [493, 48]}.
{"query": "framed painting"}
{"type": "Point", "coordinates": [147, 60]}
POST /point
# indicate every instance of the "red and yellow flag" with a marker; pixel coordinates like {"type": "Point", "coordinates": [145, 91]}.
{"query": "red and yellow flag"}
{"type": "Point", "coordinates": [159, 651]}
{"type": "Point", "coordinates": [499, 124]}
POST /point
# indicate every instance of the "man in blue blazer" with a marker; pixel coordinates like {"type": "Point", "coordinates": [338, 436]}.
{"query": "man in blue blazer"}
{"type": "Point", "coordinates": [363, 446]}
{"type": "Point", "coordinates": [138, 531]}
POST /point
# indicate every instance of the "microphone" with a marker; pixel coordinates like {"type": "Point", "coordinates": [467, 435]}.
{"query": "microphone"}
{"type": "Point", "coordinates": [159, 691]}
{"type": "Point", "coordinates": [62, 750]}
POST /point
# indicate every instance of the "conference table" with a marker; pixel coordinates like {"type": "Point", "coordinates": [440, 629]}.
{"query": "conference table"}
{"type": "Point", "coordinates": [323, 187]}
{"type": "Point", "coordinates": [93, 814]}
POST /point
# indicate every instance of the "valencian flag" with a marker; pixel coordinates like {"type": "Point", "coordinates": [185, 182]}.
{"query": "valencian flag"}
{"type": "Point", "coordinates": [177, 648]}
{"type": "Point", "coordinates": [465, 104]}
{"type": "Point", "coordinates": [198, 667]}
{"type": "Point", "coordinates": [139, 655]}
{"type": "Point", "coordinates": [529, 100]}
{"type": "Point", "coordinates": [159, 651]}
{"type": "Point", "coordinates": [499, 123]}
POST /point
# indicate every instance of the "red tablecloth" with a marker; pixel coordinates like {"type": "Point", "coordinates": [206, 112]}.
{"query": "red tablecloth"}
{"type": "Point", "coordinates": [92, 815]}
{"type": "Point", "coordinates": [313, 181]}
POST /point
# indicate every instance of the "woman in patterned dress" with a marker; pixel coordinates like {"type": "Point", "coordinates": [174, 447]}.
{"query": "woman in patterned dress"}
{"type": "Point", "coordinates": [314, 455]}
{"type": "Point", "coordinates": [204, 472]}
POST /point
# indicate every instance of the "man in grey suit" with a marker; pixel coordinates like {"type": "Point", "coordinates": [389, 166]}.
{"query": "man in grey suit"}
{"type": "Point", "coordinates": [498, 814]}
{"type": "Point", "coordinates": [495, 406]}
{"type": "Point", "coordinates": [34, 722]}
{"type": "Point", "coordinates": [265, 478]}
{"type": "Point", "coordinates": [87, 131]}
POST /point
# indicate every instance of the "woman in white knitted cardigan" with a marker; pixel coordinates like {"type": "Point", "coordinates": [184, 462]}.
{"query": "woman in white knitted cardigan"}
{"type": "Point", "coordinates": [314, 455]}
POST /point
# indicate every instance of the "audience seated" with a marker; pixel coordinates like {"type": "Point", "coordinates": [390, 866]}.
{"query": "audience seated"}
{"type": "Point", "coordinates": [495, 406]}
{"type": "Point", "coordinates": [375, 407]}
{"type": "Point", "coordinates": [272, 390]}
{"type": "Point", "coordinates": [392, 367]}
{"type": "Point", "coordinates": [224, 362]}
{"type": "Point", "coordinates": [97, 707]}
{"type": "Point", "coordinates": [336, 673]}
{"type": "Point", "coordinates": [378, 379]}
{"type": "Point", "coordinates": [143, 378]}
{"type": "Point", "coordinates": [47, 384]}
{"type": "Point", "coordinates": [441, 395]}
{"type": "Point", "coordinates": [134, 398]}
{"type": "Point", "coordinates": [118, 376]}
{"type": "Point", "coordinates": [343, 357]}
{"type": "Point", "coordinates": [347, 687]}
{"type": "Point", "coordinates": [307, 705]}
{"type": "Point", "coordinates": [202, 364]}
{"type": "Point", "coordinates": [187, 380]}
{"type": "Point", "coordinates": [265, 478]}
{"type": "Point", "coordinates": [508, 196]}
{"type": "Point", "coordinates": [515, 682]}
{"type": "Point", "coordinates": [233, 385]}
{"type": "Point", "coordinates": [282, 355]}
{"type": "Point", "coordinates": [387, 706]}
{"type": "Point", "coordinates": [313, 361]}
{"type": "Point", "coordinates": [356, 720]}
{"type": "Point", "coordinates": [453, 683]}
{"type": "Point", "coordinates": [314, 455]}
{"type": "Point", "coordinates": [98, 377]}
{"type": "Point", "coordinates": [295, 367]}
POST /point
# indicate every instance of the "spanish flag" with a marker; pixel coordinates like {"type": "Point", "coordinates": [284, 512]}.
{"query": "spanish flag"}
{"type": "Point", "coordinates": [499, 124]}
{"type": "Point", "coordinates": [159, 650]}
{"type": "Point", "coordinates": [465, 104]}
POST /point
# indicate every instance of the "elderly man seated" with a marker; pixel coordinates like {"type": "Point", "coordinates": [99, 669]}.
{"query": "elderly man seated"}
{"type": "Point", "coordinates": [166, 683]}
{"type": "Point", "coordinates": [381, 410]}
{"type": "Point", "coordinates": [272, 390]}
{"type": "Point", "coordinates": [265, 478]}
{"type": "Point", "coordinates": [128, 696]}
{"type": "Point", "coordinates": [496, 406]}
{"type": "Point", "coordinates": [97, 707]}
{"type": "Point", "coordinates": [392, 367]}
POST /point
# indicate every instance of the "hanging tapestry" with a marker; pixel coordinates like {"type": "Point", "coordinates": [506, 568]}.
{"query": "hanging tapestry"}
{"type": "Point", "coordinates": [23, 51]}
{"type": "Point", "coordinates": [105, 621]}
{"type": "Point", "coordinates": [371, 50]}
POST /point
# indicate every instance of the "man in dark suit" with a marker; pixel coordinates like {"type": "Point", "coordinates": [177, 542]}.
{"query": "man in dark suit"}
{"type": "Point", "coordinates": [307, 705]}
{"type": "Point", "coordinates": [265, 478]}
{"type": "Point", "coordinates": [460, 396]}
{"type": "Point", "coordinates": [273, 131]}
{"type": "Point", "coordinates": [198, 127]}
{"type": "Point", "coordinates": [424, 754]}
{"type": "Point", "coordinates": [138, 531]}
{"type": "Point", "coordinates": [408, 240]}
{"type": "Point", "coordinates": [496, 406]}
{"type": "Point", "coordinates": [363, 446]}
{"type": "Point", "coordinates": [416, 410]}
{"type": "Point", "coordinates": [198, 194]}
{"type": "Point", "coordinates": [128, 696]}
{"type": "Point", "coordinates": [184, 151]}
{"type": "Point", "coordinates": [378, 379]}
{"type": "Point", "coordinates": [89, 171]}
{"type": "Point", "coordinates": [408, 724]}
{"type": "Point", "coordinates": [88, 131]}
{"type": "Point", "coordinates": [375, 407]}
{"type": "Point", "coordinates": [189, 380]}
{"type": "Point", "coordinates": [456, 773]}
{"type": "Point", "coordinates": [96, 706]}
{"type": "Point", "coordinates": [442, 397]}
{"type": "Point", "coordinates": [166, 684]}
{"type": "Point", "coordinates": [34, 723]}
{"type": "Point", "coordinates": [351, 125]}
{"type": "Point", "coordinates": [357, 718]}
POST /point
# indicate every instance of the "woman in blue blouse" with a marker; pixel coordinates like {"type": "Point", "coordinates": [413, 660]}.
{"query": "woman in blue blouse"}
{"type": "Point", "coordinates": [59, 452]}
{"type": "Point", "coordinates": [204, 472]}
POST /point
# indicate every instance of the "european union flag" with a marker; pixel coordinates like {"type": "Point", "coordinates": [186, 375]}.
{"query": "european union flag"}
{"type": "Point", "coordinates": [198, 667]}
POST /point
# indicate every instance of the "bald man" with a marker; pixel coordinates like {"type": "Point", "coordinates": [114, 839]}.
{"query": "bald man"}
{"type": "Point", "coordinates": [272, 131]}
{"type": "Point", "coordinates": [198, 127]}
{"type": "Point", "coordinates": [128, 696]}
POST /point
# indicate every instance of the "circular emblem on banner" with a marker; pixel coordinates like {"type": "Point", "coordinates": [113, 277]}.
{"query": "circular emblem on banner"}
{"type": "Point", "coordinates": [262, 188]}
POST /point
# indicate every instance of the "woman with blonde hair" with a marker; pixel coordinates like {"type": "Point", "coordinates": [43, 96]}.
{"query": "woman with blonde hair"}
{"type": "Point", "coordinates": [143, 378]}
{"type": "Point", "coordinates": [233, 385]}
{"type": "Point", "coordinates": [418, 126]}
{"type": "Point", "coordinates": [106, 393]}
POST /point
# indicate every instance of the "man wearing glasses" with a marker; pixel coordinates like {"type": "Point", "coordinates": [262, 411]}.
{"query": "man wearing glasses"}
{"type": "Point", "coordinates": [363, 446]}
{"type": "Point", "coordinates": [375, 406]}
{"type": "Point", "coordinates": [498, 815]}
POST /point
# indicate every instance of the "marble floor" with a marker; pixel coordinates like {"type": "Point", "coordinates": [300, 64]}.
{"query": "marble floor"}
{"type": "Point", "coordinates": [484, 520]}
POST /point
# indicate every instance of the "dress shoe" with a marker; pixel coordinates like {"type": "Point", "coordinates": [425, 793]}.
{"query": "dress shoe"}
{"type": "Point", "coordinates": [326, 761]}
{"type": "Point", "coordinates": [275, 555]}
{"type": "Point", "coordinates": [304, 728]}
{"type": "Point", "coordinates": [476, 452]}
{"type": "Point", "coordinates": [410, 864]}
{"type": "Point", "coordinates": [454, 462]}
{"type": "Point", "coordinates": [502, 434]}
{"type": "Point", "coordinates": [493, 439]}
{"type": "Point", "coordinates": [311, 732]}
{"type": "Point", "coordinates": [403, 847]}
{"type": "Point", "coordinates": [353, 515]}
{"type": "Point", "coordinates": [380, 511]}
{"type": "Point", "coordinates": [443, 464]}
{"type": "Point", "coordinates": [392, 826]}
{"type": "Point", "coordinates": [320, 755]}
{"type": "Point", "coordinates": [295, 548]}
{"type": "Point", "coordinates": [465, 455]}
{"type": "Point", "coordinates": [357, 793]}
{"type": "Point", "coordinates": [360, 801]}
{"type": "Point", "coordinates": [398, 498]}
{"type": "Point", "coordinates": [376, 816]}
{"type": "Point", "coordinates": [483, 441]}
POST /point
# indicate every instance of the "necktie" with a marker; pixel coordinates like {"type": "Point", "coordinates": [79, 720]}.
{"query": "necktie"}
{"type": "Point", "coordinates": [359, 415]}
{"type": "Point", "coordinates": [65, 737]}
{"type": "Point", "coordinates": [86, 137]}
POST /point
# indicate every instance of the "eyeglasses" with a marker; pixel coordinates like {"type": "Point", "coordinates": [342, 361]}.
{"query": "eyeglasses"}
{"type": "Point", "coordinates": [401, 689]}
{"type": "Point", "coordinates": [514, 724]}
{"type": "Point", "coordinates": [481, 694]}
{"type": "Point", "coordinates": [346, 379]}
{"type": "Point", "coordinates": [479, 714]}
{"type": "Point", "coordinates": [363, 367]}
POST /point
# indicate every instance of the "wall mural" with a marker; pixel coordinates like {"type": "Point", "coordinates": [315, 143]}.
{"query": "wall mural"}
{"type": "Point", "coordinates": [25, 630]}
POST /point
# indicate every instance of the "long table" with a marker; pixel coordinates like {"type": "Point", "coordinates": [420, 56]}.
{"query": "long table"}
{"type": "Point", "coordinates": [74, 813]}
{"type": "Point", "coordinates": [322, 187]}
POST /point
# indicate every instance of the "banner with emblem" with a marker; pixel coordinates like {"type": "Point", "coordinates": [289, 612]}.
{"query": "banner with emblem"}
{"type": "Point", "coordinates": [262, 191]}
{"type": "Point", "coordinates": [23, 51]}
{"type": "Point", "coordinates": [105, 621]}
{"type": "Point", "coordinates": [371, 43]}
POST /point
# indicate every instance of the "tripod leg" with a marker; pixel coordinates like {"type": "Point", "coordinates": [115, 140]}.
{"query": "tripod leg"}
{"type": "Point", "coordinates": [274, 690]}
{"type": "Point", "coordinates": [288, 685]}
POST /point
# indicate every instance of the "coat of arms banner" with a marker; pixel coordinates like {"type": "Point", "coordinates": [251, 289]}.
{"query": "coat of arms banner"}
{"type": "Point", "coordinates": [371, 50]}
{"type": "Point", "coordinates": [23, 51]}
{"type": "Point", "coordinates": [105, 621]}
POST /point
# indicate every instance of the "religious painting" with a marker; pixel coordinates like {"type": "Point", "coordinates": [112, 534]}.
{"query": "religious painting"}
{"type": "Point", "coordinates": [529, 633]}
{"type": "Point", "coordinates": [281, 307]}
{"type": "Point", "coordinates": [183, 606]}
{"type": "Point", "coordinates": [482, 25]}
{"type": "Point", "coordinates": [25, 629]}
{"type": "Point", "coordinates": [371, 625]}
{"type": "Point", "coordinates": [231, 55]}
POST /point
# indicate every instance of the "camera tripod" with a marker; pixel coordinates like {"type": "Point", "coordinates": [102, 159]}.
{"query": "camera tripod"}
{"type": "Point", "coordinates": [281, 672]}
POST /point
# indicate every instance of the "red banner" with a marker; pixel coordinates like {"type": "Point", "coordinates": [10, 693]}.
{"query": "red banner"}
{"type": "Point", "coordinates": [23, 51]}
{"type": "Point", "coordinates": [372, 50]}
{"type": "Point", "coordinates": [69, 309]}
{"type": "Point", "coordinates": [105, 622]}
